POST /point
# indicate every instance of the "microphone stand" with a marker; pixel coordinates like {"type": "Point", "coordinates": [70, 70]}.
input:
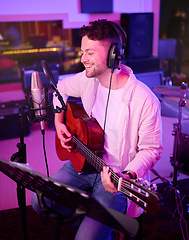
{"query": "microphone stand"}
{"type": "Point", "coordinates": [174, 159]}
{"type": "Point", "coordinates": [20, 157]}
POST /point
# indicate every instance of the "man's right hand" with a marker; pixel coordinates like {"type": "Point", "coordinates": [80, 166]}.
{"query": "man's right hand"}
{"type": "Point", "coordinates": [62, 132]}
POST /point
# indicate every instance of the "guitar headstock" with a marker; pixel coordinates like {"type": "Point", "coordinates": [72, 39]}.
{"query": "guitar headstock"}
{"type": "Point", "coordinates": [142, 194]}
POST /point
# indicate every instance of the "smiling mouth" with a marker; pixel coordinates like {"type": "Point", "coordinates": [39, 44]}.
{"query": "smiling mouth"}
{"type": "Point", "coordinates": [88, 66]}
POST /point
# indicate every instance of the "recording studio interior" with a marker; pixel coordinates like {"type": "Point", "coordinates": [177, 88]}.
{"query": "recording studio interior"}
{"type": "Point", "coordinates": [37, 31]}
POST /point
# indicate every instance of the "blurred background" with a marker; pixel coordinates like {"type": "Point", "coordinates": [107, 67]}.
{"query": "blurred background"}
{"type": "Point", "coordinates": [44, 30]}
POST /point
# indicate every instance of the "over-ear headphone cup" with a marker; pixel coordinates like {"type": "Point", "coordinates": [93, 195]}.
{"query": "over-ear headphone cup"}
{"type": "Point", "coordinates": [113, 56]}
{"type": "Point", "coordinates": [116, 50]}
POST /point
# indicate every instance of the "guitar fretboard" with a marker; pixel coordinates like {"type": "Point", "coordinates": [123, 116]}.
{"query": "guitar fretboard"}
{"type": "Point", "coordinates": [133, 190]}
{"type": "Point", "coordinates": [94, 160]}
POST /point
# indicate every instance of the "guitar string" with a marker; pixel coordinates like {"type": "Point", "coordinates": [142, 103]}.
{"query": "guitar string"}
{"type": "Point", "coordinates": [89, 153]}
{"type": "Point", "coordinates": [132, 196]}
{"type": "Point", "coordinates": [100, 162]}
{"type": "Point", "coordinates": [144, 202]}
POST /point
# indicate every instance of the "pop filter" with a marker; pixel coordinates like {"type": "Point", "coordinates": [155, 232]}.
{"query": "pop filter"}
{"type": "Point", "coordinates": [48, 74]}
{"type": "Point", "coordinates": [51, 80]}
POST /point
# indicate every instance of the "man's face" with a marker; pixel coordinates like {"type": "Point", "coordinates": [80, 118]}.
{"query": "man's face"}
{"type": "Point", "coordinates": [94, 56]}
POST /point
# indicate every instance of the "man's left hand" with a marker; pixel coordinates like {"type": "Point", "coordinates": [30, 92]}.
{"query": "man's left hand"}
{"type": "Point", "coordinates": [106, 180]}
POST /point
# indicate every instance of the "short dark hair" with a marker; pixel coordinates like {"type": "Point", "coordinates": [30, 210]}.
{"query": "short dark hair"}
{"type": "Point", "coordinates": [99, 30]}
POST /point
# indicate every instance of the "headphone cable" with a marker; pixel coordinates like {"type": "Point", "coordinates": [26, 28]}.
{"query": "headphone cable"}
{"type": "Point", "coordinates": [106, 110]}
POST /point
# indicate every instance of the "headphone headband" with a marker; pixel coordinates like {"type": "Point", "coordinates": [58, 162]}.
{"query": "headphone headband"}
{"type": "Point", "coordinates": [116, 51]}
{"type": "Point", "coordinates": [120, 33]}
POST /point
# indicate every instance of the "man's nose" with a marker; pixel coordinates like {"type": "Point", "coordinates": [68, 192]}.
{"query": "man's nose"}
{"type": "Point", "coordinates": [84, 57]}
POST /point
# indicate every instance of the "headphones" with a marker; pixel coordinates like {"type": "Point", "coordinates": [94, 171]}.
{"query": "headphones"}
{"type": "Point", "coordinates": [116, 50]}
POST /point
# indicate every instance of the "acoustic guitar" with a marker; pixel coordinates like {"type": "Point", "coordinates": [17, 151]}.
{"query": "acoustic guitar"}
{"type": "Point", "coordinates": [87, 138]}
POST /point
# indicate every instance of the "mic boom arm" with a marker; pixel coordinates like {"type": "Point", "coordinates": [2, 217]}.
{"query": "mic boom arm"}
{"type": "Point", "coordinates": [60, 98]}
{"type": "Point", "coordinates": [51, 80]}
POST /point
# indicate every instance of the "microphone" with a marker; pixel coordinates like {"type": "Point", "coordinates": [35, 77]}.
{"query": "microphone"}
{"type": "Point", "coordinates": [38, 97]}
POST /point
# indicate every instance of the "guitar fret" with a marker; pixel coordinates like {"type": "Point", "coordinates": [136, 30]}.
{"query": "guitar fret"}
{"type": "Point", "coordinates": [98, 164]}
{"type": "Point", "coordinates": [115, 179]}
{"type": "Point", "coordinates": [88, 155]}
{"type": "Point", "coordinates": [119, 184]}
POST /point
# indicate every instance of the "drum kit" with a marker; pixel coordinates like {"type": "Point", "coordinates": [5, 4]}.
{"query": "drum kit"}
{"type": "Point", "coordinates": [180, 158]}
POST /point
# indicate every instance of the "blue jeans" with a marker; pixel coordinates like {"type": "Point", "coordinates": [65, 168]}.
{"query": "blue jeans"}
{"type": "Point", "coordinates": [89, 228]}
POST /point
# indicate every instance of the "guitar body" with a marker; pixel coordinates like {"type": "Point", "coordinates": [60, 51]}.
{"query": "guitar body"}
{"type": "Point", "coordinates": [84, 128]}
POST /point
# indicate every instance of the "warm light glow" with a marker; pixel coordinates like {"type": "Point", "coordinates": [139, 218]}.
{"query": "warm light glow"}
{"type": "Point", "coordinates": [31, 51]}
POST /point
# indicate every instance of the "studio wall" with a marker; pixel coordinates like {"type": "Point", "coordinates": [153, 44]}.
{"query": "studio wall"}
{"type": "Point", "coordinates": [71, 15]}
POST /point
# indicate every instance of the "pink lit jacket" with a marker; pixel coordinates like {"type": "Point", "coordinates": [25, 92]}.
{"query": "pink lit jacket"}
{"type": "Point", "coordinates": [140, 131]}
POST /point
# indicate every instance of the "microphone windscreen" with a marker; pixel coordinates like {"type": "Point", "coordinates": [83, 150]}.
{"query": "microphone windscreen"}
{"type": "Point", "coordinates": [38, 94]}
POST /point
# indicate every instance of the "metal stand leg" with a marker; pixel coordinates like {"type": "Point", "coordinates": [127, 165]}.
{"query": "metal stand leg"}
{"type": "Point", "coordinates": [22, 205]}
{"type": "Point", "coordinates": [20, 157]}
{"type": "Point", "coordinates": [176, 152]}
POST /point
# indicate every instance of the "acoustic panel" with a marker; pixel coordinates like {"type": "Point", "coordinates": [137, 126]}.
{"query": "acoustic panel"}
{"type": "Point", "coordinates": [140, 65]}
{"type": "Point", "coordinates": [97, 6]}
{"type": "Point", "coordinates": [139, 29]}
{"type": "Point", "coordinates": [151, 79]}
{"type": "Point", "coordinates": [10, 121]}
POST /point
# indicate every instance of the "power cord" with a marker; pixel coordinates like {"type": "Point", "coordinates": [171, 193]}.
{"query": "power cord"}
{"type": "Point", "coordinates": [44, 151]}
{"type": "Point", "coordinates": [180, 210]}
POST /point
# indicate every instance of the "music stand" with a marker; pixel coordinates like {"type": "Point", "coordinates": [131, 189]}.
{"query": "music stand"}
{"type": "Point", "coordinates": [68, 196]}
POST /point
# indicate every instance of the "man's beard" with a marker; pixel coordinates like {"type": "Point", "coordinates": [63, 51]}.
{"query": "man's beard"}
{"type": "Point", "coordinates": [95, 73]}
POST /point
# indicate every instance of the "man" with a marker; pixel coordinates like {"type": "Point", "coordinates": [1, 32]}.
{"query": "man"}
{"type": "Point", "coordinates": [129, 114]}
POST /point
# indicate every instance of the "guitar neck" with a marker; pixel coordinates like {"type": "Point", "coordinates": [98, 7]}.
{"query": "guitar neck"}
{"type": "Point", "coordinates": [94, 160]}
{"type": "Point", "coordinates": [90, 157]}
{"type": "Point", "coordinates": [136, 192]}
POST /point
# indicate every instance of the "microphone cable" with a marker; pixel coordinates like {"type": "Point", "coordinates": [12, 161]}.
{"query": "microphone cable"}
{"type": "Point", "coordinates": [47, 100]}
{"type": "Point", "coordinates": [44, 152]}
{"type": "Point", "coordinates": [44, 145]}
{"type": "Point", "coordinates": [40, 119]}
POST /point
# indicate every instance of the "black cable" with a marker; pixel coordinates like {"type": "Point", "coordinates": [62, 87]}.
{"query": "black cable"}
{"type": "Point", "coordinates": [105, 117]}
{"type": "Point", "coordinates": [45, 155]}
{"type": "Point", "coordinates": [44, 150]}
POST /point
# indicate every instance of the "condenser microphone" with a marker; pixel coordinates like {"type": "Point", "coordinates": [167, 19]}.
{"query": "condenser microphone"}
{"type": "Point", "coordinates": [38, 98]}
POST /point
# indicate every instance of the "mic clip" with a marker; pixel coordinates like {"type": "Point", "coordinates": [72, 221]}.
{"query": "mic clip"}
{"type": "Point", "coordinates": [41, 116]}
{"type": "Point", "coordinates": [64, 106]}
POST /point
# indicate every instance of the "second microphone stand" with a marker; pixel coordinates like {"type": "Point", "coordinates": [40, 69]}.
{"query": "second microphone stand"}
{"type": "Point", "coordinates": [20, 157]}
{"type": "Point", "coordinates": [175, 161]}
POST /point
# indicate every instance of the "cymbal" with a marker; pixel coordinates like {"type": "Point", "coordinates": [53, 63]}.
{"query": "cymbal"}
{"type": "Point", "coordinates": [170, 108]}
{"type": "Point", "coordinates": [172, 91]}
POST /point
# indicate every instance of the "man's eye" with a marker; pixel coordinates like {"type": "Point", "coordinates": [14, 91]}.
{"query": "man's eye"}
{"type": "Point", "coordinates": [90, 53]}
